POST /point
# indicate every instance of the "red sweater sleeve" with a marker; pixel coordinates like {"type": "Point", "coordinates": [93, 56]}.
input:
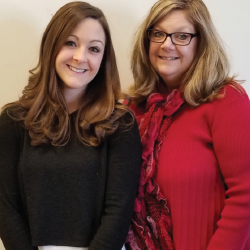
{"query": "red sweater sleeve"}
{"type": "Point", "coordinates": [231, 139]}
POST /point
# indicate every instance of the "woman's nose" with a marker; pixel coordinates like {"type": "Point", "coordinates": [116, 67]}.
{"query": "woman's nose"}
{"type": "Point", "coordinates": [167, 44]}
{"type": "Point", "coordinates": [80, 55]}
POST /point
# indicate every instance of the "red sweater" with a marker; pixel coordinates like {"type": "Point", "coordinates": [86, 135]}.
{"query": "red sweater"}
{"type": "Point", "coordinates": [205, 148]}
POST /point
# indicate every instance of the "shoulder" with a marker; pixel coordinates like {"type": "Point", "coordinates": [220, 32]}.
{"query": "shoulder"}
{"type": "Point", "coordinates": [232, 91]}
{"type": "Point", "coordinates": [127, 123]}
{"type": "Point", "coordinates": [138, 109]}
{"type": "Point", "coordinates": [126, 118]}
{"type": "Point", "coordinates": [10, 118]}
{"type": "Point", "coordinates": [231, 101]}
{"type": "Point", "coordinates": [229, 95]}
{"type": "Point", "coordinates": [127, 126]}
{"type": "Point", "coordinates": [7, 114]}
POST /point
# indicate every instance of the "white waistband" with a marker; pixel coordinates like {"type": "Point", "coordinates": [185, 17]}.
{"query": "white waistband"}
{"type": "Point", "coordinates": [61, 248]}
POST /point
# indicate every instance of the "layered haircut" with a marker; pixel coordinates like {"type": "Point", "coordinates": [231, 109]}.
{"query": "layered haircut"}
{"type": "Point", "coordinates": [43, 108]}
{"type": "Point", "coordinates": [209, 71]}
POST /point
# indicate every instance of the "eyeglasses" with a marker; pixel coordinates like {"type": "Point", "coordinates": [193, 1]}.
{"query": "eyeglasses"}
{"type": "Point", "coordinates": [177, 38]}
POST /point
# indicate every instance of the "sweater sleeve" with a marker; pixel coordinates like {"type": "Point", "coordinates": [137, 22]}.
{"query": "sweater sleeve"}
{"type": "Point", "coordinates": [231, 140]}
{"type": "Point", "coordinates": [124, 163]}
{"type": "Point", "coordinates": [14, 230]}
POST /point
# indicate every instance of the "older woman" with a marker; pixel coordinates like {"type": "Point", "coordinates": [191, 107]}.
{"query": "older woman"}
{"type": "Point", "coordinates": [194, 122]}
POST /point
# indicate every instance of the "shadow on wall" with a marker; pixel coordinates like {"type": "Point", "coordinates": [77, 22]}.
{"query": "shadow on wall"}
{"type": "Point", "coordinates": [19, 47]}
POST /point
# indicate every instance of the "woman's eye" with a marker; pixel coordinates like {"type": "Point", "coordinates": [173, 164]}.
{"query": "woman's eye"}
{"type": "Point", "coordinates": [182, 36]}
{"type": "Point", "coordinates": [70, 43]}
{"type": "Point", "coordinates": [158, 34]}
{"type": "Point", "coordinates": [94, 49]}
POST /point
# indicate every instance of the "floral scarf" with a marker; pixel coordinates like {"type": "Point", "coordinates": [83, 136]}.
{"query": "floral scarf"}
{"type": "Point", "coordinates": [151, 226]}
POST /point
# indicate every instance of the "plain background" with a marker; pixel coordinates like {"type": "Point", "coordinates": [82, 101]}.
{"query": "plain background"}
{"type": "Point", "coordinates": [22, 23]}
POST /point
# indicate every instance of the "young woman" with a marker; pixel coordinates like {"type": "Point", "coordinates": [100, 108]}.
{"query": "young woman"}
{"type": "Point", "coordinates": [194, 122]}
{"type": "Point", "coordinates": [70, 152]}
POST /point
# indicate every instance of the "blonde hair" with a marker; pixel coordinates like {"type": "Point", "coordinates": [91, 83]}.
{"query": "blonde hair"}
{"type": "Point", "coordinates": [209, 71]}
{"type": "Point", "coordinates": [42, 106]}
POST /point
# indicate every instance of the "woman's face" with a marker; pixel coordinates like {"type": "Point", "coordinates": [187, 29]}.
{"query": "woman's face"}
{"type": "Point", "coordinates": [171, 61]}
{"type": "Point", "coordinates": [79, 59]}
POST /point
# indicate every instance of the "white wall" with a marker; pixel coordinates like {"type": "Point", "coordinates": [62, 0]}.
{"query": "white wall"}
{"type": "Point", "coordinates": [22, 23]}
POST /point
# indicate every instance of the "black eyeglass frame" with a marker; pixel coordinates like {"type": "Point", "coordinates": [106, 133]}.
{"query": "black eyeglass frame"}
{"type": "Point", "coordinates": [170, 35]}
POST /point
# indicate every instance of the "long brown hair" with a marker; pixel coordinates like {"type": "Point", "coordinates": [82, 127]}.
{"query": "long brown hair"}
{"type": "Point", "coordinates": [209, 71]}
{"type": "Point", "coordinates": [42, 106]}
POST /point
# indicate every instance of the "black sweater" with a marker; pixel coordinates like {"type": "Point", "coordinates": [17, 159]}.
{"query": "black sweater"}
{"type": "Point", "coordinates": [73, 195]}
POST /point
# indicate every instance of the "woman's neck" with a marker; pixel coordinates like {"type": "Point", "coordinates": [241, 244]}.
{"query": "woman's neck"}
{"type": "Point", "coordinates": [73, 100]}
{"type": "Point", "coordinates": [163, 88]}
